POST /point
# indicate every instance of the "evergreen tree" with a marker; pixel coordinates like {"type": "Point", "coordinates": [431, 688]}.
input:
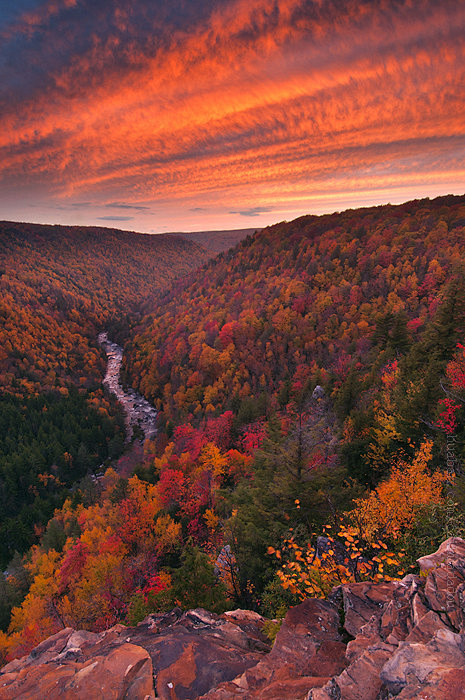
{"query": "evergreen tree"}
{"type": "Point", "coordinates": [194, 584]}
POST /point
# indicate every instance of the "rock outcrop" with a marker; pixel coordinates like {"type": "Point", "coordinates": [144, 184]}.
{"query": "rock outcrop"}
{"type": "Point", "coordinates": [413, 645]}
{"type": "Point", "coordinates": [403, 639]}
{"type": "Point", "coordinates": [166, 656]}
{"type": "Point", "coordinates": [308, 650]}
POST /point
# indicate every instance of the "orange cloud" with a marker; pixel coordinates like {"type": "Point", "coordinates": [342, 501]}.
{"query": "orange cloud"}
{"type": "Point", "coordinates": [282, 96]}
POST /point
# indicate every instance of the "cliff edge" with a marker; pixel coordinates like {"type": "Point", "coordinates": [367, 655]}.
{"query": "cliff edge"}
{"type": "Point", "coordinates": [369, 641]}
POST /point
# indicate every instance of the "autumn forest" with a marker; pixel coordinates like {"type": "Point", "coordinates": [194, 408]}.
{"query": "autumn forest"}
{"type": "Point", "coordinates": [309, 384]}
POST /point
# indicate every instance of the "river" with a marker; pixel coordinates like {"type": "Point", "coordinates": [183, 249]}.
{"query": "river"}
{"type": "Point", "coordinates": [137, 410]}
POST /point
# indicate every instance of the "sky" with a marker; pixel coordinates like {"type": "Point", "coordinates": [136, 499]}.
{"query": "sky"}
{"type": "Point", "coordinates": [189, 115]}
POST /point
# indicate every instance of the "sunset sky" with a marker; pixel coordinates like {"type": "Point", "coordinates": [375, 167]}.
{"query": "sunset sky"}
{"type": "Point", "coordinates": [169, 115]}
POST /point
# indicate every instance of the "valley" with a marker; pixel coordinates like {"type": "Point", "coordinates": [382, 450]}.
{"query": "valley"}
{"type": "Point", "coordinates": [277, 425]}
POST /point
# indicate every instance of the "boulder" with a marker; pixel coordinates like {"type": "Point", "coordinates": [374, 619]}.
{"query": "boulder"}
{"type": "Point", "coordinates": [426, 628]}
{"type": "Point", "coordinates": [361, 601]}
{"type": "Point", "coordinates": [125, 672]}
{"type": "Point", "coordinates": [445, 583]}
{"type": "Point", "coordinates": [307, 651]}
{"type": "Point", "coordinates": [187, 654]}
{"type": "Point", "coordinates": [43, 652]}
{"type": "Point", "coordinates": [413, 663]}
{"type": "Point", "coordinates": [368, 637]}
{"type": "Point", "coordinates": [451, 549]}
{"type": "Point", "coordinates": [396, 621]}
{"type": "Point", "coordinates": [442, 684]}
{"type": "Point", "coordinates": [419, 607]}
{"type": "Point", "coordinates": [360, 681]}
{"type": "Point", "coordinates": [403, 639]}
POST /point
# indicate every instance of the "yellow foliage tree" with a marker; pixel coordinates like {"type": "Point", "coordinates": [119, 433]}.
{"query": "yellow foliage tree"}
{"type": "Point", "coordinates": [393, 505]}
{"type": "Point", "coordinates": [212, 460]}
{"type": "Point", "coordinates": [382, 435]}
{"type": "Point", "coordinates": [37, 617]}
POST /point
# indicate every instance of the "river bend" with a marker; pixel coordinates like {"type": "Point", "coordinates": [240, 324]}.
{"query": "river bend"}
{"type": "Point", "coordinates": [137, 410]}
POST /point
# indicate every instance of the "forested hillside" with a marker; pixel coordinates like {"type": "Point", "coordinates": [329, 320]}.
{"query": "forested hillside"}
{"type": "Point", "coordinates": [311, 386]}
{"type": "Point", "coordinates": [334, 298]}
{"type": "Point", "coordinates": [318, 360]}
{"type": "Point", "coordinates": [59, 286]}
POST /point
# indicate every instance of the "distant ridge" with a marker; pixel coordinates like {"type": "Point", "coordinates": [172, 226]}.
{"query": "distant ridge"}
{"type": "Point", "coordinates": [213, 242]}
{"type": "Point", "coordinates": [217, 241]}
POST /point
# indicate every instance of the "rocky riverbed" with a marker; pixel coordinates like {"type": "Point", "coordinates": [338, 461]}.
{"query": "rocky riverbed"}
{"type": "Point", "coordinates": [138, 412]}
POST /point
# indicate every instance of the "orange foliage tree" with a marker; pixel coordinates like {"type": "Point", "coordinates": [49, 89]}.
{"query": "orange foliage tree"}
{"type": "Point", "coordinates": [393, 505]}
{"type": "Point", "coordinates": [360, 549]}
{"type": "Point", "coordinates": [90, 582]}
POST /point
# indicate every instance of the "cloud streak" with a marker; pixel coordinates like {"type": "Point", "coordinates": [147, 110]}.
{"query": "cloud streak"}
{"type": "Point", "coordinates": [251, 107]}
{"type": "Point", "coordinates": [115, 218]}
{"type": "Point", "coordinates": [253, 211]}
{"type": "Point", "coordinates": [119, 205]}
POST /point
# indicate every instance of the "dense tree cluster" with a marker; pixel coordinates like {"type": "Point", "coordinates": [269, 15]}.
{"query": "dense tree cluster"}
{"type": "Point", "coordinates": [339, 295]}
{"type": "Point", "coordinates": [48, 443]}
{"type": "Point", "coordinates": [367, 304]}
